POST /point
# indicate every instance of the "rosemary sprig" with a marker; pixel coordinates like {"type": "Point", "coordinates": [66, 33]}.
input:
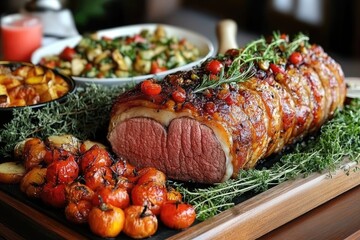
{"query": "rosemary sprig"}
{"type": "Point", "coordinates": [339, 138]}
{"type": "Point", "coordinates": [242, 67]}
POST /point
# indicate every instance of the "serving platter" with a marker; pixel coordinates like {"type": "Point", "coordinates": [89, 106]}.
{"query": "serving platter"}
{"type": "Point", "coordinates": [250, 219]}
{"type": "Point", "coordinates": [202, 43]}
{"type": "Point", "coordinates": [253, 215]}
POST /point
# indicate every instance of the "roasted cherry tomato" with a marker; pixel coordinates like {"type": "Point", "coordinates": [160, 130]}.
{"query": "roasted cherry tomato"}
{"type": "Point", "coordinates": [76, 192]}
{"type": "Point", "coordinates": [95, 157]}
{"type": "Point", "coordinates": [54, 195]}
{"type": "Point", "coordinates": [116, 196]}
{"type": "Point", "coordinates": [55, 154]}
{"type": "Point", "coordinates": [106, 220]}
{"type": "Point", "coordinates": [214, 66]}
{"type": "Point", "coordinates": [125, 183]}
{"type": "Point", "coordinates": [149, 88]}
{"type": "Point", "coordinates": [32, 183]}
{"type": "Point", "coordinates": [276, 68]}
{"type": "Point", "coordinates": [210, 107]}
{"type": "Point", "coordinates": [78, 212]}
{"type": "Point", "coordinates": [179, 95]}
{"type": "Point", "coordinates": [150, 174]}
{"type": "Point", "coordinates": [173, 195]}
{"type": "Point", "coordinates": [149, 194]}
{"type": "Point", "coordinates": [97, 177]}
{"type": "Point", "coordinates": [33, 153]}
{"type": "Point", "coordinates": [233, 52]}
{"type": "Point", "coordinates": [140, 222]}
{"type": "Point", "coordinates": [135, 39]}
{"type": "Point", "coordinates": [177, 215]}
{"type": "Point", "coordinates": [64, 170]}
{"type": "Point", "coordinates": [155, 68]}
{"type": "Point", "coordinates": [296, 58]}
{"type": "Point", "coordinates": [124, 169]}
{"type": "Point", "coordinates": [68, 53]}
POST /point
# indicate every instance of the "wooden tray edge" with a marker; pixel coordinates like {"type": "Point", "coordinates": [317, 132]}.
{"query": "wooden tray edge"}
{"type": "Point", "coordinates": [44, 222]}
{"type": "Point", "coordinates": [276, 206]}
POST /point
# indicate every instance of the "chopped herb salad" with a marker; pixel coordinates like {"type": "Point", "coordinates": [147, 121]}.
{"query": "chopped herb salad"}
{"type": "Point", "coordinates": [148, 52]}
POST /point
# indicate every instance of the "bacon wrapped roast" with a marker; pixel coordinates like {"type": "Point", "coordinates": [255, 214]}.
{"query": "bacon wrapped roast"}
{"type": "Point", "coordinates": [206, 124]}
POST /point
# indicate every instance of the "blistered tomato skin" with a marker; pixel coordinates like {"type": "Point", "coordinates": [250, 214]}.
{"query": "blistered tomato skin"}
{"type": "Point", "coordinates": [54, 195]}
{"type": "Point", "coordinates": [149, 194]}
{"type": "Point", "coordinates": [140, 222]}
{"type": "Point", "coordinates": [78, 212]}
{"type": "Point", "coordinates": [106, 221]}
{"type": "Point", "coordinates": [151, 174]}
{"type": "Point", "coordinates": [94, 157]}
{"type": "Point", "coordinates": [98, 177]}
{"type": "Point", "coordinates": [77, 191]}
{"type": "Point", "coordinates": [62, 171]}
{"type": "Point", "coordinates": [116, 196]}
{"type": "Point", "coordinates": [177, 215]}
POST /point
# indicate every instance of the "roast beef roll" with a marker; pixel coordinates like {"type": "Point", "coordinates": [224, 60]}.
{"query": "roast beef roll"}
{"type": "Point", "coordinates": [207, 124]}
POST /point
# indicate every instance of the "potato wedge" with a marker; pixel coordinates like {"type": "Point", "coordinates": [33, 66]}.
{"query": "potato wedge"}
{"type": "Point", "coordinates": [67, 142]}
{"type": "Point", "coordinates": [11, 172]}
{"type": "Point", "coordinates": [35, 80]}
{"type": "Point", "coordinates": [19, 149]}
{"type": "Point", "coordinates": [87, 144]}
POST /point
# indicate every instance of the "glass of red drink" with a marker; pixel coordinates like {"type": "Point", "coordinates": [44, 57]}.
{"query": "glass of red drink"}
{"type": "Point", "coordinates": [21, 35]}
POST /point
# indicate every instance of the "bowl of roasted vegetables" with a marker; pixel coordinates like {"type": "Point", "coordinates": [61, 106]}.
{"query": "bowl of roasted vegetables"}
{"type": "Point", "coordinates": [125, 55]}
{"type": "Point", "coordinates": [27, 85]}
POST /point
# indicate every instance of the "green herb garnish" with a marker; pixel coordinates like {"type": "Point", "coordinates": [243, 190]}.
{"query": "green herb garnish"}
{"type": "Point", "coordinates": [257, 52]}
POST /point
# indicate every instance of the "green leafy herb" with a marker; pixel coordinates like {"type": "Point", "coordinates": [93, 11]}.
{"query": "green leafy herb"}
{"type": "Point", "coordinates": [339, 138]}
{"type": "Point", "coordinates": [259, 51]}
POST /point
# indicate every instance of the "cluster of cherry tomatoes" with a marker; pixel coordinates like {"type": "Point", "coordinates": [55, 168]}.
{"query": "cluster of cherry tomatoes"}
{"type": "Point", "coordinates": [111, 196]}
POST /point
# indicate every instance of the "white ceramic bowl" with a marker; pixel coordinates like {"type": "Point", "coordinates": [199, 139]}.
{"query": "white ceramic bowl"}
{"type": "Point", "coordinates": [205, 46]}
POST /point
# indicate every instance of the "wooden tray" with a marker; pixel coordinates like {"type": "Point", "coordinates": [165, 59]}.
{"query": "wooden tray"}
{"type": "Point", "coordinates": [247, 220]}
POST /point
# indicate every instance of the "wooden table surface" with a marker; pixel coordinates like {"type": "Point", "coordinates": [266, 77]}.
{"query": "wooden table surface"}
{"type": "Point", "coordinates": [337, 219]}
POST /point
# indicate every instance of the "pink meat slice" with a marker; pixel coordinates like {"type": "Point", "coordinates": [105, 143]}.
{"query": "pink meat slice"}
{"type": "Point", "coordinates": [182, 150]}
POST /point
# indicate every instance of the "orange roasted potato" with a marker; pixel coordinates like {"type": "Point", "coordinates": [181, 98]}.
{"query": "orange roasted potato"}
{"type": "Point", "coordinates": [32, 183]}
{"type": "Point", "coordinates": [34, 151]}
{"type": "Point", "coordinates": [29, 85]}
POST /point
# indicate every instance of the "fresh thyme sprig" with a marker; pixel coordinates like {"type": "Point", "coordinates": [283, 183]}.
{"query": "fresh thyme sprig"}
{"type": "Point", "coordinates": [339, 138]}
{"type": "Point", "coordinates": [259, 51]}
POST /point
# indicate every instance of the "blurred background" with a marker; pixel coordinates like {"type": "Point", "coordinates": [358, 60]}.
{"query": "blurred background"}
{"type": "Point", "coordinates": [333, 24]}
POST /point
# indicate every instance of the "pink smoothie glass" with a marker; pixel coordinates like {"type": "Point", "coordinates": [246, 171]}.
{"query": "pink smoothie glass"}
{"type": "Point", "coordinates": [21, 35]}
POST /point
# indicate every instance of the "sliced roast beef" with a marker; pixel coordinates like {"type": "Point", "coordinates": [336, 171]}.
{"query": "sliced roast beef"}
{"type": "Point", "coordinates": [209, 135]}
